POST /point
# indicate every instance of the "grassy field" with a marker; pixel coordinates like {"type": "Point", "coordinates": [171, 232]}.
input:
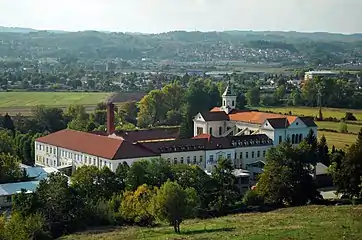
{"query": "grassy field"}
{"type": "Point", "coordinates": [15, 102]}
{"type": "Point", "coordinates": [311, 222]}
{"type": "Point", "coordinates": [352, 128]}
{"type": "Point", "coordinates": [339, 140]}
{"type": "Point", "coordinates": [309, 111]}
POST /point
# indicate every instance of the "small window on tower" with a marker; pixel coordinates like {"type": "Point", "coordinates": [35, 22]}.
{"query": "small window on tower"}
{"type": "Point", "coordinates": [233, 104]}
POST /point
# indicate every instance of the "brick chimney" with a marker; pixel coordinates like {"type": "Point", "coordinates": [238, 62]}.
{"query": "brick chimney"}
{"type": "Point", "coordinates": [110, 118]}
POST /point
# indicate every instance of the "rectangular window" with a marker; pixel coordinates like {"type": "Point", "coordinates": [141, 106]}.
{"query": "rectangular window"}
{"type": "Point", "coordinates": [201, 159]}
{"type": "Point", "coordinates": [210, 131]}
{"type": "Point", "coordinates": [175, 161]}
{"type": "Point", "coordinates": [47, 149]}
{"type": "Point", "coordinates": [211, 158]}
{"type": "Point", "coordinates": [195, 159]}
{"type": "Point", "coordinates": [264, 153]}
{"type": "Point", "coordinates": [280, 139]}
{"type": "Point", "coordinates": [241, 155]}
{"type": "Point", "coordinates": [252, 154]}
{"type": "Point", "coordinates": [258, 154]}
{"type": "Point", "coordinates": [182, 160]}
{"type": "Point", "coordinates": [247, 154]}
{"type": "Point", "coordinates": [94, 161]}
{"type": "Point", "coordinates": [229, 156]}
{"type": "Point", "coordinates": [188, 160]}
{"type": "Point", "coordinates": [8, 199]}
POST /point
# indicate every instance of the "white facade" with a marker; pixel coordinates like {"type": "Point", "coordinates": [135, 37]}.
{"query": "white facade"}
{"type": "Point", "coordinates": [53, 156]}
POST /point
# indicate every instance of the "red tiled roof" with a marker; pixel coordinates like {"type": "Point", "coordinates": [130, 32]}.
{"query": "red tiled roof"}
{"type": "Point", "coordinates": [203, 136]}
{"type": "Point", "coordinates": [258, 117]}
{"type": "Point", "coordinates": [146, 134]}
{"type": "Point", "coordinates": [96, 145]}
{"type": "Point", "coordinates": [216, 109]}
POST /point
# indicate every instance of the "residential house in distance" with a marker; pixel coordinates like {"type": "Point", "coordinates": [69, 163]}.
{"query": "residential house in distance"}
{"type": "Point", "coordinates": [228, 121]}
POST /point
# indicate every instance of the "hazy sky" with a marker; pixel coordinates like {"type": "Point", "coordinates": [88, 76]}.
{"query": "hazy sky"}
{"type": "Point", "coordinates": [164, 15]}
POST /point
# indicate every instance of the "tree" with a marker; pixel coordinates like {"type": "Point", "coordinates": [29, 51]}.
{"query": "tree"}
{"type": "Point", "coordinates": [347, 170]}
{"type": "Point", "coordinates": [121, 174]}
{"type": "Point", "coordinates": [287, 177]}
{"type": "Point", "coordinates": [7, 144]}
{"type": "Point", "coordinates": [227, 191]}
{"type": "Point", "coordinates": [186, 127]}
{"type": "Point", "coordinates": [136, 206]}
{"type": "Point", "coordinates": [323, 152]}
{"type": "Point", "coordinates": [29, 227]}
{"type": "Point", "coordinates": [152, 109]}
{"type": "Point", "coordinates": [61, 207]}
{"type": "Point", "coordinates": [172, 203]}
{"type": "Point", "coordinates": [253, 96]}
{"type": "Point", "coordinates": [50, 119]}
{"type": "Point", "coordinates": [297, 98]}
{"type": "Point", "coordinates": [94, 184]}
{"type": "Point", "coordinates": [8, 123]}
{"type": "Point", "coordinates": [79, 118]}
{"type": "Point", "coordinates": [128, 111]}
{"type": "Point", "coordinates": [9, 169]}
{"type": "Point", "coordinates": [194, 177]}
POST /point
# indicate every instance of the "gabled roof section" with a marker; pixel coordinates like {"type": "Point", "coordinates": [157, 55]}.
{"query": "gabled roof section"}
{"type": "Point", "coordinates": [308, 121]}
{"type": "Point", "coordinates": [215, 116]}
{"type": "Point", "coordinates": [279, 123]}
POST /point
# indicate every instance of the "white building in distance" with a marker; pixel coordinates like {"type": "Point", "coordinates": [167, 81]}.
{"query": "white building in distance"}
{"type": "Point", "coordinates": [228, 121]}
{"type": "Point", "coordinates": [312, 74]}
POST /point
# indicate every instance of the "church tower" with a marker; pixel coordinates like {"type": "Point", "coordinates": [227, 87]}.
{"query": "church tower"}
{"type": "Point", "coordinates": [228, 99]}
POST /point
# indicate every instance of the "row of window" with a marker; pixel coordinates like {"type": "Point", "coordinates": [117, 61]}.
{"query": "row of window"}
{"type": "Point", "coordinates": [188, 160]}
{"type": "Point", "coordinates": [241, 156]}
{"type": "Point", "coordinates": [296, 138]}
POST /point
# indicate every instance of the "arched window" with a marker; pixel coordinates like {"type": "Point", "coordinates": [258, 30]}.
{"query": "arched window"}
{"type": "Point", "coordinates": [220, 130]}
{"type": "Point", "coordinates": [233, 103]}
{"type": "Point", "coordinates": [293, 139]}
{"type": "Point", "coordinates": [224, 103]}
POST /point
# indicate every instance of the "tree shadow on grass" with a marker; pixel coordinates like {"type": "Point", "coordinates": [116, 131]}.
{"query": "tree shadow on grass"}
{"type": "Point", "coordinates": [201, 231]}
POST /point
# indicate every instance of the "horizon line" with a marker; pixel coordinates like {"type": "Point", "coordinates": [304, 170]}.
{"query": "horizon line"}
{"type": "Point", "coordinates": [176, 30]}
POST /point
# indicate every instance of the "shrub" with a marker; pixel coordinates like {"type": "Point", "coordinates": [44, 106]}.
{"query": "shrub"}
{"type": "Point", "coordinates": [343, 128]}
{"type": "Point", "coordinates": [135, 206]}
{"type": "Point", "coordinates": [252, 198]}
{"type": "Point", "coordinates": [350, 117]}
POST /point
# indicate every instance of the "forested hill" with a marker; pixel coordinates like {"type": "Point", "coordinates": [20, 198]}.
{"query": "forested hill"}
{"type": "Point", "coordinates": [180, 45]}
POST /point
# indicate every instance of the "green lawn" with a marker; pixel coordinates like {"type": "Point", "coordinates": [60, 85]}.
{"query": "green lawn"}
{"type": "Point", "coordinates": [352, 128]}
{"type": "Point", "coordinates": [309, 111]}
{"type": "Point", "coordinates": [15, 102]}
{"type": "Point", "coordinates": [339, 140]}
{"type": "Point", "coordinates": [310, 222]}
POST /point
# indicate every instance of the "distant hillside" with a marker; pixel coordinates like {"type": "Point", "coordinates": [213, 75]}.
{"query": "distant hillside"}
{"type": "Point", "coordinates": [24, 30]}
{"type": "Point", "coordinates": [16, 30]}
{"type": "Point", "coordinates": [278, 47]}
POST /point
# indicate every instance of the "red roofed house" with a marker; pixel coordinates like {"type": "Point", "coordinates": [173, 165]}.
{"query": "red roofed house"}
{"type": "Point", "coordinates": [227, 120]}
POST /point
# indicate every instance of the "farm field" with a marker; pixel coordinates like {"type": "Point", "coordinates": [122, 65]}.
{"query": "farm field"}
{"type": "Point", "coordinates": [310, 111]}
{"type": "Point", "coordinates": [309, 222]}
{"type": "Point", "coordinates": [22, 102]}
{"type": "Point", "coordinates": [352, 128]}
{"type": "Point", "coordinates": [339, 140]}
